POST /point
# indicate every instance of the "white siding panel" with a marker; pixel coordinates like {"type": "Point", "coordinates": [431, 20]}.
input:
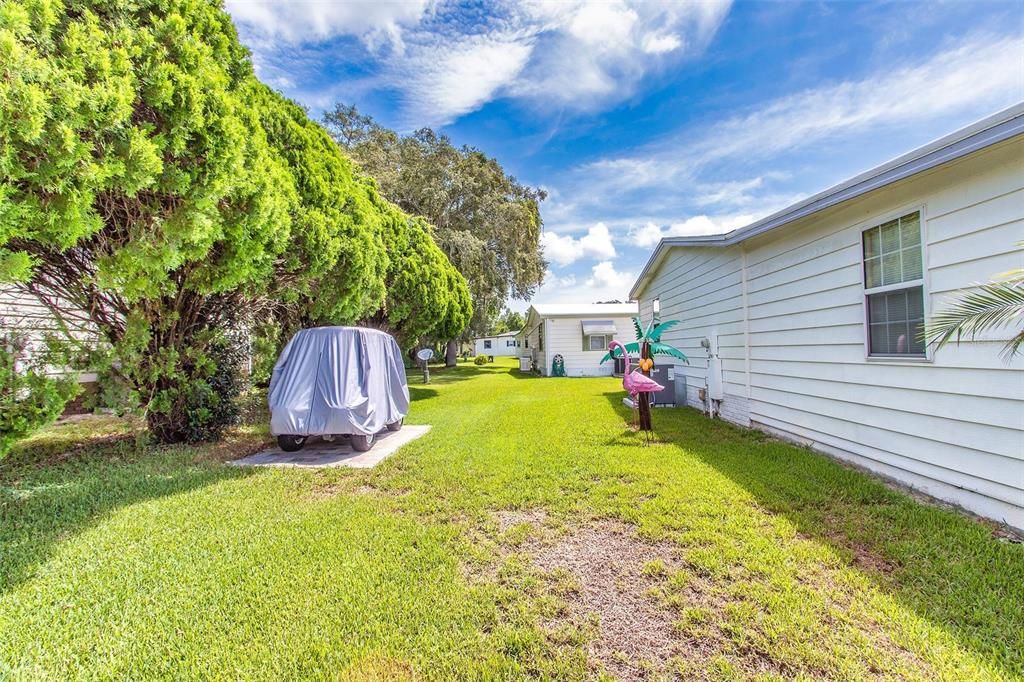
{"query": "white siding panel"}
{"type": "Point", "coordinates": [565, 337]}
{"type": "Point", "coordinates": [986, 243]}
{"type": "Point", "coordinates": [999, 210]}
{"type": "Point", "coordinates": [983, 498]}
{"type": "Point", "coordinates": [952, 425]}
{"type": "Point", "coordinates": [926, 377]}
{"type": "Point", "coordinates": [709, 303]}
{"type": "Point", "coordinates": [847, 281]}
{"type": "Point", "coordinates": [991, 474]}
{"type": "Point", "coordinates": [27, 315]}
{"type": "Point", "coordinates": [997, 440]}
{"type": "Point", "coordinates": [988, 410]}
{"type": "Point", "coordinates": [951, 277]}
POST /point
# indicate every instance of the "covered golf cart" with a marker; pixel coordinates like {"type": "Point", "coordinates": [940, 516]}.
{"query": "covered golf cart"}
{"type": "Point", "coordinates": [337, 381]}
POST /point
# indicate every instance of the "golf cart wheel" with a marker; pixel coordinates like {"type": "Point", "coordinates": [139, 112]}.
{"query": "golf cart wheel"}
{"type": "Point", "coordinates": [361, 443]}
{"type": "Point", "coordinates": [291, 443]}
{"type": "Point", "coordinates": [396, 426]}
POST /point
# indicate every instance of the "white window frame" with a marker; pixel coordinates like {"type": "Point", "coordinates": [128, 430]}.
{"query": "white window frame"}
{"type": "Point", "coordinates": [590, 343]}
{"type": "Point", "coordinates": [921, 282]}
{"type": "Point", "coordinates": [488, 345]}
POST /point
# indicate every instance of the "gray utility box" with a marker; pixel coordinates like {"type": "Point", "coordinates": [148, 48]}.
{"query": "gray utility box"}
{"type": "Point", "coordinates": [674, 382]}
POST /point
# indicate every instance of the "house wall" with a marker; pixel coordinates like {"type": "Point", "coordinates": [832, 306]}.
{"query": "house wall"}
{"type": "Point", "coordinates": [25, 314]}
{"type": "Point", "coordinates": [703, 289]}
{"type": "Point", "coordinates": [565, 336]}
{"type": "Point", "coordinates": [791, 336]}
{"type": "Point", "coordinates": [499, 347]}
{"type": "Point", "coordinates": [529, 341]}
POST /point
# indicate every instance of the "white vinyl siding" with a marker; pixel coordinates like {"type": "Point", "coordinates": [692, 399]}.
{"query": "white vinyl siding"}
{"type": "Point", "coordinates": [703, 289]}
{"type": "Point", "coordinates": [793, 356]}
{"type": "Point", "coordinates": [498, 346]}
{"type": "Point", "coordinates": [563, 337]}
{"type": "Point", "coordinates": [25, 314]}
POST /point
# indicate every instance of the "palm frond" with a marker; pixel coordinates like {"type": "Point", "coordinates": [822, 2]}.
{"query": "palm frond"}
{"type": "Point", "coordinates": [662, 328]}
{"type": "Point", "coordinates": [665, 349]}
{"type": "Point", "coordinates": [990, 306]}
{"type": "Point", "coordinates": [631, 348]}
{"type": "Point", "coordinates": [639, 328]}
{"type": "Point", "coordinates": [650, 328]}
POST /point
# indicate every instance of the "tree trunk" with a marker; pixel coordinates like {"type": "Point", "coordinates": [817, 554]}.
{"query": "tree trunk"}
{"type": "Point", "coordinates": [645, 398]}
{"type": "Point", "coordinates": [451, 354]}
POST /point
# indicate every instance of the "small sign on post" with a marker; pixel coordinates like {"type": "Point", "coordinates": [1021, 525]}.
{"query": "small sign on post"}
{"type": "Point", "coordinates": [424, 355]}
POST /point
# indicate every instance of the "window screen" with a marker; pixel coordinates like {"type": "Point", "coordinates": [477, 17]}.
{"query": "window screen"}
{"type": "Point", "coordinates": [894, 287]}
{"type": "Point", "coordinates": [895, 319]}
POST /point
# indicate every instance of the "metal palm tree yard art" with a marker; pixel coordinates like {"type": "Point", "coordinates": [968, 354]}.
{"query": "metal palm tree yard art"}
{"type": "Point", "coordinates": [647, 345]}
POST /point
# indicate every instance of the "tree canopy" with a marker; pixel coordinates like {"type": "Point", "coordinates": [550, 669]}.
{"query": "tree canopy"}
{"type": "Point", "coordinates": [355, 257]}
{"type": "Point", "coordinates": [508, 321]}
{"type": "Point", "coordinates": [152, 187]}
{"type": "Point", "coordinates": [486, 221]}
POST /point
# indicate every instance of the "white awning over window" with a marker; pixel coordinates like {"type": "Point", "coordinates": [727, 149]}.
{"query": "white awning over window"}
{"type": "Point", "coordinates": [591, 327]}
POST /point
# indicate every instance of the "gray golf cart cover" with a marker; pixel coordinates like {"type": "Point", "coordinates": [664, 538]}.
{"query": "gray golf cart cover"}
{"type": "Point", "coordinates": [338, 380]}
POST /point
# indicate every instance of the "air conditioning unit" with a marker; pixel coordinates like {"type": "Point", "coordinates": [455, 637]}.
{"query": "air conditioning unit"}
{"type": "Point", "coordinates": [667, 376]}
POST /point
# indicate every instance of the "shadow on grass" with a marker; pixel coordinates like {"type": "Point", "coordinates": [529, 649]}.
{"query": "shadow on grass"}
{"type": "Point", "coordinates": [440, 374]}
{"type": "Point", "coordinates": [47, 494]}
{"type": "Point", "coordinates": [463, 371]}
{"type": "Point", "coordinates": [944, 565]}
{"type": "Point", "coordinates": [417, 393]}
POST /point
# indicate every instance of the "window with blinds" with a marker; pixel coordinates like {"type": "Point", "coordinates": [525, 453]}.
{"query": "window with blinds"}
{"type": "Point", "coordinates": [894, 287]}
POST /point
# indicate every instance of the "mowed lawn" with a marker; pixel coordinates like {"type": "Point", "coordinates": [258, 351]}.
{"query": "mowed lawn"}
{"type": "Point", "coordinates": [473, 554]}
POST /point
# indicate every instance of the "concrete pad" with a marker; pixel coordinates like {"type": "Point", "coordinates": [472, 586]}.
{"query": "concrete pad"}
{"type": "Point", "coordinates": [339, 453]}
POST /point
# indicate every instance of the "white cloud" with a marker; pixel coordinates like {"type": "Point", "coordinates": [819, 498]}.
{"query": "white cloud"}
{"type": "Point", "coordinates": [605, 276]}
{"type": "Point", "coordinates": [564, 249]}
{"type": "Point", "coordinates": [589, 53]}
{"type": "Point", "coordinates": [654, 43]}
{"type": "Point", "coordinates": [447, 59]}
{"type": "Point", "coordinates": [646, 235]}
{"type": "Point", "coordinates": [597, 243]}
{"type": "Point", "coordinates": [605, 283]}
{"type": "Point", "coordinates": [560, 249]}
{"type": "Point", "coordinates": [981, 74]}
{"type": "Point", "coordinates": [649, 234]}
{"type": "Point", "coordinates": [449, 80]}
{"type": "Point", "coordinates": [298, 21]}
{"type": "Point", "coordinates": [973, 73]}
{"type": "Point", "coordinates": [602, 23]}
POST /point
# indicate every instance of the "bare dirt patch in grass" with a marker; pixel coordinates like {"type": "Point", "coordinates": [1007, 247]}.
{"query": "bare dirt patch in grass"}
{"type": "Point", "coordinates": [608, 560]}
{"type": "Point", "coordinates": [510, 518]}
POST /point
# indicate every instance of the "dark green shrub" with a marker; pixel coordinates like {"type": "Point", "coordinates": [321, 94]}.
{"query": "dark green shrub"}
{"type": "Point", "coordinates": [29, 399]}
{"type": "Point", "coordinates": [480, 360]}
{"type": "Point", "coordinates": [201, 407]}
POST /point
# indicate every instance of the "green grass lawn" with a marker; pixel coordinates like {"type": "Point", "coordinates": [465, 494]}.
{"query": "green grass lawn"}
{"type": "Point", "coordinates": [125, 561]}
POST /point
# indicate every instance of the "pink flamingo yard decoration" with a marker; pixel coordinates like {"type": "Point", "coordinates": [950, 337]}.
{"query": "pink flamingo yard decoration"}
{"type": "Point", "coordinates": [635, 382]}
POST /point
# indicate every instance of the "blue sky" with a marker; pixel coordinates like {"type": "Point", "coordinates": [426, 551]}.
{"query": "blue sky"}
{"type": "Point", "coordinates": [643, 119]}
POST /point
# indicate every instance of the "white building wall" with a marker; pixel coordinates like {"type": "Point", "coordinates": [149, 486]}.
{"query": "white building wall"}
{"type": "Point", "coordinates": [499, 346]}
{"type": "Point", "coordinates": [26, 315]}
{"type": "Point", "coordinates": [703, 289]}
{"type": "Point", "coordinates": [565, 337]}
{"type": "Point", "coordinates": [952, 426]}
{"type": "Point", "coordinates": [530, 343]}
